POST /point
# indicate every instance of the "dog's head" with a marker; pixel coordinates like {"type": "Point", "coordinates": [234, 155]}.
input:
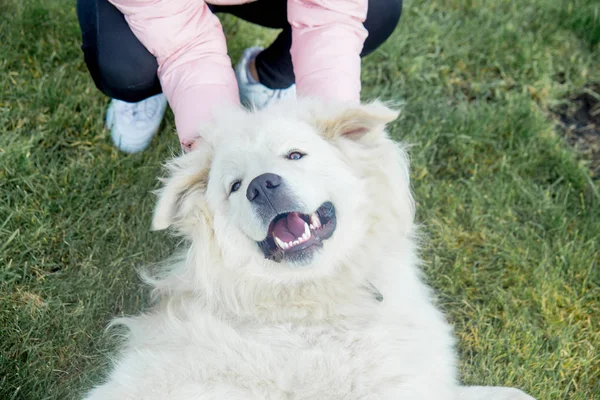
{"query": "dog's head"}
{"type": "Point", "coordinates": [298, 187]}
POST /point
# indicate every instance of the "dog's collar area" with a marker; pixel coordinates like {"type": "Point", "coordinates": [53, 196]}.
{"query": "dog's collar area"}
{"type": "Point", "coordinates": [375, 292]}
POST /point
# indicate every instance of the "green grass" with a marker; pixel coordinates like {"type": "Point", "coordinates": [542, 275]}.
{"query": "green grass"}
{"type": "Point", "coordinates": [511, 216]}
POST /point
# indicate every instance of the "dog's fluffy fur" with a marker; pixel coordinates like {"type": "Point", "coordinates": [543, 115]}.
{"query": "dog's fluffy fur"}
{"type": "Point", "coordinates": [232, 324]}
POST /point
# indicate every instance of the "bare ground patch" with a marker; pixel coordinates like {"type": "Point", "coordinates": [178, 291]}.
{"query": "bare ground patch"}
{"type": "Point", "coordinates": [578, 118]}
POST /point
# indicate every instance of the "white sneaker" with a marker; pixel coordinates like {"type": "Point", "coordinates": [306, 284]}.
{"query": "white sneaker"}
{"type": "Point", "coordinates": [133, 125]}
{"type": "Point", "coordinates": [254, 94]}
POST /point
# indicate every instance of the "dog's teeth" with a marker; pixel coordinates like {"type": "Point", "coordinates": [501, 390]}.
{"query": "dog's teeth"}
{"type": "Point", "coordinates": [280, 243]}
{"type": "Point", "coordinates": [296, 242]}
{"type": "Point", "coordinates": [306, 231]}
{"type": "Point", "coordinates": [290, 244]}
{"type": "Point", "coordinates": [312, 226]}
{"type": "Point", "coordinates": [316, 222]}
{"type": "Point", "coordinates": [285, 246]}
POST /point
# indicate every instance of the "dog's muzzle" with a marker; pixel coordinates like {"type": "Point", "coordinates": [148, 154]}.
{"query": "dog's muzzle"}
{"type": "Point", "coordinates": [269, 196]}
{"type": "Point", "coordinates": [292, 234]}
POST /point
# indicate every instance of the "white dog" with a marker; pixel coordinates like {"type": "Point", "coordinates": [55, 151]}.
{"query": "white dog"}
{"type": "Point", "coordinates": [301, 280]}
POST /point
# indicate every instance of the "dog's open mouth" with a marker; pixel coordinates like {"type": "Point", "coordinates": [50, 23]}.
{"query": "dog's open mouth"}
{"type": "Point", "coordinates": [294, 235]}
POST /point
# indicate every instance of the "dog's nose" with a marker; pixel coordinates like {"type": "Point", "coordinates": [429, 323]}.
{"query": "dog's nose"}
{"type": "Point", "coordinates": [262, 185]}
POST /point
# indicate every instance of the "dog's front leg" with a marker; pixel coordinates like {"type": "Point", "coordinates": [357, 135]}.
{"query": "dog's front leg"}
{"type": "Point", "coordinates": [491, 393]}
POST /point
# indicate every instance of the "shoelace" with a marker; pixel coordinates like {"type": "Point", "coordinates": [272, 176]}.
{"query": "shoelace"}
{"type": "Point", "coordinates": [281, 93]}
{"type": "Point", "coordinates": [133, 111]}
{"type": "Point", "coordinates": [275, 94]}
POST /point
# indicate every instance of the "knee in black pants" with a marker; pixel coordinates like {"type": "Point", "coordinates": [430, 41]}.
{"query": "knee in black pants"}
{"type": "Point", "coordinates": [382, 19]}
{"type": "Point", "coordinates": [120, 81]}
{"type": "Point", "coordinates": [120, 65]}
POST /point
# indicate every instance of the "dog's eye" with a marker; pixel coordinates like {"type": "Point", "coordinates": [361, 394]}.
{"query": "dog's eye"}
{"type": "Point", "coordinates": [295, 155]}
{"type": "Point", "coordinates": [236, 186]}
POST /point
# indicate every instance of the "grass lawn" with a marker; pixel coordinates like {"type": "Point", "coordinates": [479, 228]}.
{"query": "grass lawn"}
{"type": "Point", "coordinates": [510, 213]}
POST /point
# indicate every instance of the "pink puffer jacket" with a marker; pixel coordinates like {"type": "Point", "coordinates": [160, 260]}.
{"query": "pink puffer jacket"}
{"type": "Point", "coordinates": [195, 71]}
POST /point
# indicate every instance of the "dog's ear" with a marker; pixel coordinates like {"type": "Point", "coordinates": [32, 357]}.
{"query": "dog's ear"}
{"type": "Point", "coordinates": [187, 176]}
{"type": "Point", "coordinates": [355, 122]}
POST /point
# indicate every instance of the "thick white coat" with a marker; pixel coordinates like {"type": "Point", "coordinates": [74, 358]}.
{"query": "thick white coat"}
{"type": "Point", "coordinates": [230, 324]}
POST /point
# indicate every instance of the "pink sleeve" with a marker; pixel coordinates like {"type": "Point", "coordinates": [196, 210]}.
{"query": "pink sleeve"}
{"type": "Point", "coordinates": [193, 66]}
{"type": "Point", "coordinates": [327, 38]}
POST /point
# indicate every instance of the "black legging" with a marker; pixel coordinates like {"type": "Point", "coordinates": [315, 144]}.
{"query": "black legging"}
{"type": "Point", "coordinates": [124, 69]}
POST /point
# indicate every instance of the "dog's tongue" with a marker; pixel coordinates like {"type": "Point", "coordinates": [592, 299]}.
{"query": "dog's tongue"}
{"type": "Point", "coordinates": [289, 228]}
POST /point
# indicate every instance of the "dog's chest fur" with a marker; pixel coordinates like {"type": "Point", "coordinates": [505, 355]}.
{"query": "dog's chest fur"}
{"type": "Point", "coordinates": [342, 357]}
